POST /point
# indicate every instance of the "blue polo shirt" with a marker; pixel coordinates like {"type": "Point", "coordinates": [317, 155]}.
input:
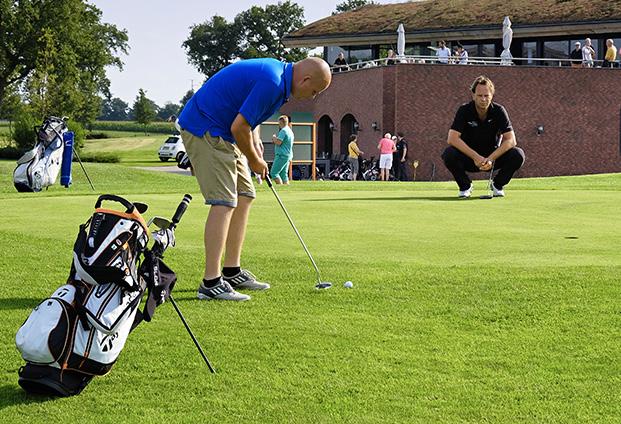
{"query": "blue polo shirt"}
{"type": "Point", "coordinates": [256, 88]}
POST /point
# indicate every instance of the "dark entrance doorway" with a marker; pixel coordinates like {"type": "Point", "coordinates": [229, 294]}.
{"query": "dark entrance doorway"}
{"type": "Point", "coordinates": [349, 126]}
{"type": "Point", "coordinates": [325, 128]}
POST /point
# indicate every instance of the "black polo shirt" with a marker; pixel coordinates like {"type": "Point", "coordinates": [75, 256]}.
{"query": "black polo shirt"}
{"type": "Point", "coordinates": [481, 136]}
{"type": "Point", "coordinates": [576, 55]}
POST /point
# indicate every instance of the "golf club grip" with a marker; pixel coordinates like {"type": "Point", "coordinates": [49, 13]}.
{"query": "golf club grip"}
{"type": "Point", "coordinates": [268, 180]}
{"type": "Point", "coordinates": [181, 209]}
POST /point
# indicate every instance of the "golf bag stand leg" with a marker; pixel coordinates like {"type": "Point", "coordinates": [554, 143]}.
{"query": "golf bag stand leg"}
{"type": "Point", "coordinates": [187, 327]}
{"type": "Point", "coordinates": [83, 169]}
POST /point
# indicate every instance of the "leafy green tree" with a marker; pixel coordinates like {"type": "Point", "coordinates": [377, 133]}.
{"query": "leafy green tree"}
{"type": "Point", "coordinates": [41, 83]}
{"type": "Point", "coordinates": [348, 5]}
{"type": "Point", "coordinates": [68, 45]}
{"type": "Point", "coordinates": [185, 99]}
{"type": "Point", "coordinates": [10, 108]}
{"type": "Point", "coordinates": [256, 32]}
{"type": "Point", "coordinates": [24, 134]}
{"type": "Point", "coordinates": [212, 45]}
{"type": "Point", "coordinates": [143, 109]}
{"type": "Point", "coordinates": [168, 111]}
{"type": "Point", "coordinates": [263, 28]}
{"type": "Point", "coordinates": [114, 109]}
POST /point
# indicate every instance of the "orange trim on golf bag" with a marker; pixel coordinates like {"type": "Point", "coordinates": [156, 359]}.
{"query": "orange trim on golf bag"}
{"type": "Point", "coordinates": [135, 215]}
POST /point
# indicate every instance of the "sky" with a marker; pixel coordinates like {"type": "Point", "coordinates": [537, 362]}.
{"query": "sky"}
{"type": "Point", "coordinates": [156, 62]}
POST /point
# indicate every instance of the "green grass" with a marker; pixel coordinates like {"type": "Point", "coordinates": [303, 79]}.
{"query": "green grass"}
{"type": "Point", "coordinates": [135, 149]}
{"type": "Point", "coordinates": [503, 310]}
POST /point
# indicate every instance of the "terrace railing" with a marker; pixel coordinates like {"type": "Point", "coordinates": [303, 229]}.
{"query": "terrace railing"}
{"type": "Point", "coordinates": [485, 61]}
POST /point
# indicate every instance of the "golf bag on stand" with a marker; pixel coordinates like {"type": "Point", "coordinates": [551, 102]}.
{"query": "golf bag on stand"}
{"type": "Point", "coordinates": [80, 330]}
{"type": "Point", "coordinates": [39, 167]}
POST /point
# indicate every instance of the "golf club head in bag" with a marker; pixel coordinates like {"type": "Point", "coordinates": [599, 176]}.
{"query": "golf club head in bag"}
{"type": "Point", "coordinates": [320, 284]}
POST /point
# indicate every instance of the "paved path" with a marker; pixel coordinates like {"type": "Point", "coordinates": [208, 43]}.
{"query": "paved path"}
{"type": "Point", "coordinates": [171, 169]}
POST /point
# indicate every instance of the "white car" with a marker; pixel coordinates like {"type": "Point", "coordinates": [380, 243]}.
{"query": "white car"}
{"type": "Point", "coordinates": [172, 148]}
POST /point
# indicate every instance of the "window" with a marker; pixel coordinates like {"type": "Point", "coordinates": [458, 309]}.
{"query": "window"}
{"type": "Point", "coordinates": [488, 50]}
{"type": "Point", "coordinates": [472, 49]}
{"type": "Point", "coordinates": [333, 52]}
{"type": "Point", "coordinates": [529, 51]}
{"type": "Point", "coordinates": [360, 54]}
{"type": "Point", "coordinates": [555, 50]}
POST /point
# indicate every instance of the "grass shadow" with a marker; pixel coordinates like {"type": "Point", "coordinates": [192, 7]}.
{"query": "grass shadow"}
{"type": "Point", "coordinates": [402, 198]}
{"type": "Point", "coordinates": [11, 303]}
{"type": "Point", "coordinates": [12, 394]}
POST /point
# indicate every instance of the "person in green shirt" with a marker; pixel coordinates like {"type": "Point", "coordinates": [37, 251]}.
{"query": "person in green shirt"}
{"type": "Point", "coordinates": [283, 152]}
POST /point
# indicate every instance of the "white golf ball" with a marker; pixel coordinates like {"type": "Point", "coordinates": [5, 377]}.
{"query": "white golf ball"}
{"type": "Point", "coordinates": [348, 284]}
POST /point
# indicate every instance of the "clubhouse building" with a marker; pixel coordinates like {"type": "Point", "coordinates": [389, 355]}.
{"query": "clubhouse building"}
{"type": "Point", "coordinates": [567, 119]}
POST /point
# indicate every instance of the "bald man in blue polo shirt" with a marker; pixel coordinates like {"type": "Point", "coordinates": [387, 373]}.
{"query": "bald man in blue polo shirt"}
{"type": "Point", "coordinates": [219, 130]}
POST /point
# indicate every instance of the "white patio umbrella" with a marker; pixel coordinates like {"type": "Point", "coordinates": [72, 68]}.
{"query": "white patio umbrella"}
{"type": "Point", "coordinates": [507, 37]}
{"type": "Point", "coordinates": [400, 41]}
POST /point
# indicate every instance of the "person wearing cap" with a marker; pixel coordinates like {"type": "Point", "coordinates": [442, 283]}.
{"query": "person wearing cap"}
{"type": "Point", "coordinates": [576, 56]}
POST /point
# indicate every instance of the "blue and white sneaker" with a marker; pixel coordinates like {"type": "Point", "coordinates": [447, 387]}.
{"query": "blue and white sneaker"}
{"type": "Point", "coordinates": [221, 291]}
{"type": "Point", "coordinates": [246, 280]}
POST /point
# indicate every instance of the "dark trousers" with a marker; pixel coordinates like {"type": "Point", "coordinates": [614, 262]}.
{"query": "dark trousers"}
{"type": "Point", "coordinates": [459, 164]}
{"type": "Point", "coordinates": [400, 172]}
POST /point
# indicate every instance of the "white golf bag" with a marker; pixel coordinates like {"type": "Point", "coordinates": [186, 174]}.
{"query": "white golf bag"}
{"type": "Point", "coordinates": [79, 331]}
{"type": "Point", "coordinates": [39, 167]}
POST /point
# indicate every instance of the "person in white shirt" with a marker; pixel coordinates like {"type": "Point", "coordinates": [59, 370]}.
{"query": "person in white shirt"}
{"type": "Point", "coordinates": [462, 55]}
{"type": "Point", "coordinates": [587, 54]}
{"type": "Point", "coordinates": [443, 53]}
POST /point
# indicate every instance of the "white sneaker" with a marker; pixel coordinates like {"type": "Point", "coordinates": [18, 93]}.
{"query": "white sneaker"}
{"type": "Point", "coordinates": [497, 193]}
{"type": "Point", "coordinates": [464, 194]}
{"type": "Point", "coordinates": [222, 291]}
{"type": "Point", "coordinates": [246, 280]}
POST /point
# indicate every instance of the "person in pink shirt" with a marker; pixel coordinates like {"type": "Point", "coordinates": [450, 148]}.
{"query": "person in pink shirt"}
{"type": "Point", "coordinates": [386, 147]}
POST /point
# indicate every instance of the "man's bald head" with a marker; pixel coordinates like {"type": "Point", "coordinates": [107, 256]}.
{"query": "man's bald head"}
{"type": "Point", "coordinates": [311, 76]}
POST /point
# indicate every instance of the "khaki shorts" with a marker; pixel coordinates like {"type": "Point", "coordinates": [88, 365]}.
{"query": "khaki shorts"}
{"type": "Point", "coordinates": [220, 168]}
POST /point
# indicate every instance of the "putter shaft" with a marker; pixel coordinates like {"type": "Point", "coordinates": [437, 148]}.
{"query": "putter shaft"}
{"type": "Point", "coordinates": [269, 183]}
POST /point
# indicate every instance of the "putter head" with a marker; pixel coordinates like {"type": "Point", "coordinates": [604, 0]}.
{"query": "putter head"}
{"type": "Point", "coordinates": [323, 285]}
{"type": "Point", "coordinates": [486, 196]}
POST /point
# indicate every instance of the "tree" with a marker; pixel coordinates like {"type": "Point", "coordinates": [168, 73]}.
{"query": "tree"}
{"type": "Point", "coordinates": [114, 109]}
{"type": "Point", "coordinates": [212, 45]}
{"type": "Point", "coordinates": [144, 112]}
{"type": "Point", "coordinates": [68, 45]}
{"type": "Point", "coordinates": [185, 99]}
{"type": "Point", "coordinates": [168, 111]}
{"type": "Point", "coordinates": [41, 83]}
{"type": "Point", "coordinates": [348, 5]}
{"type": "Point", "coordinates": [262, 30]}
{"type": "Point", "coordinates": [256, 32]}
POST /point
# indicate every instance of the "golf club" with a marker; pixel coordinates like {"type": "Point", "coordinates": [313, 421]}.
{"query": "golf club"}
{"type": "Point", "coordinates": [320, 284]}
{"type": "Point", "coordinates": [490, 194]}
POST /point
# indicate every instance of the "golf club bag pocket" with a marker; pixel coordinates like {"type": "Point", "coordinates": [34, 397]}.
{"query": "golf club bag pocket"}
{"type": "Point", "coordinates": [80, 328]}
{"type": "Point", "coordinates": [44, 337]}
{"type": "Point", "coordinates": [109, 244]}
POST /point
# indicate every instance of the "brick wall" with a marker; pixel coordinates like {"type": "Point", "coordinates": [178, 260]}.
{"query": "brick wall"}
{"type": "Point", "coordinates": [580, 110]}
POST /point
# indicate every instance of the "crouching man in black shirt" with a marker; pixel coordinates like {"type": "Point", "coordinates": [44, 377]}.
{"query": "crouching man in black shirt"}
{"type": "Point", "coordinates": [482, 135]}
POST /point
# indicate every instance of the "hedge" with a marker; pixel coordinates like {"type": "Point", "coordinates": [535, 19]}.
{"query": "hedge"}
{"type": "Point", "coordinates": [154, 127]}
